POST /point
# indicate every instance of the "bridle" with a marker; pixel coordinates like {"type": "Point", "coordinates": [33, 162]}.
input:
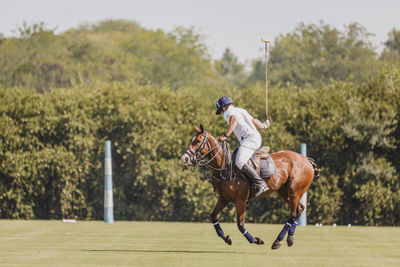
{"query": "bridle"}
{"type": "Point", "coordinates": [200, 159]}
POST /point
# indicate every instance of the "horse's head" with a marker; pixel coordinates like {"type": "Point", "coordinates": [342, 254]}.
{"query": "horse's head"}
{"type": "Point", "coordinates": [197, 146]}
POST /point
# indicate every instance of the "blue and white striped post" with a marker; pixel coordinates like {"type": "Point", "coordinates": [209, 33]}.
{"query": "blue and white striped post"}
{"type": "Point", "coordinates": [303, 199]}
{"type": "Point", "coordinates": [108, 195]}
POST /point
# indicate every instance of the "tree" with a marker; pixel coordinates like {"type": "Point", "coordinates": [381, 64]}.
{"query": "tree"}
{"type": "Point", "coordinates": [231, 70]}
{"type": "Point", "coordinates": [111, 50]}
{"type": "Point", "coordinates": [313, 54]}
{"type": "Point", "coordinates": [391, 53]}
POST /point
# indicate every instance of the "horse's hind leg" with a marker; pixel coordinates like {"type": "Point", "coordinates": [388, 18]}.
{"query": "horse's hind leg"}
{"type": "Point", "coordinates": [221, 204]}
{"type": "Point", "coordinates": [290, 225]}
{"type": "Point", "coordinates": [300, 209]}
{"type": "Point", "coordinates": [240, 211]}
{"type": "Point", "coordinates": [290, 237]}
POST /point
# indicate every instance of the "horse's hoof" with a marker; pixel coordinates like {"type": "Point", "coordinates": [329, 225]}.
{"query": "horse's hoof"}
{"type": "Point", "coordinates": [276, 244]}
{"type": "Point", "coordinates": [290, 240]}
{"type": "Point", "coordinates": [228, 240]}
{"type": "Point", "coordinates": [259, 241]}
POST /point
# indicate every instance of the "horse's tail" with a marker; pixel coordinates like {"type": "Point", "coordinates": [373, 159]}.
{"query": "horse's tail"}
{"type": "Point", "coordinates": [316, 170]}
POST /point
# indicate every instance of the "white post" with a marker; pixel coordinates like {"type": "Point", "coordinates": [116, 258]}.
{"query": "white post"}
{"type": "Point", "coordinates": [108, 195]}
{"type": "Point", "coordinates": [303, 200]}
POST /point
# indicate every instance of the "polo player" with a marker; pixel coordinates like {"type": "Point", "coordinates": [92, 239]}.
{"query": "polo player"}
{"type": "Point", "coordinates": [245, 128]}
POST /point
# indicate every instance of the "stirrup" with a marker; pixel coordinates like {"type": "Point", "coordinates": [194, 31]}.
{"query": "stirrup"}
{"type": "Point", "coordinates": [259, 190]}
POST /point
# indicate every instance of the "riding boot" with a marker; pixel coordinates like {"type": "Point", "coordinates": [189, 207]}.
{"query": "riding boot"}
{"type": "Point", "coordinates": [252, 174]}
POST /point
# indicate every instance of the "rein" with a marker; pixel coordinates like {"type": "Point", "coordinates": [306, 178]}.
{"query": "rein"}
{"type": "Point", "coordinates": [200, 159]}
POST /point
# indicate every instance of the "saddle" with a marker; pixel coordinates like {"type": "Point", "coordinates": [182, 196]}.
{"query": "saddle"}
{"type": "Point", "coordinates": [260, 161]}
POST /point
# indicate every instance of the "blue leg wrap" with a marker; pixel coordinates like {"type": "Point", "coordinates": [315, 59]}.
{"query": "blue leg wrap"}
{"type": "Point", "coordinates": [246, 234]}
{"type": "Point", "coordinates": [293, 228]}
{"type": "Point", "coordinates": [287, 226]}
{"type": "Point", "coordinates": [249, 237]}
{"type": "Point", "coordinates": [218, 228]}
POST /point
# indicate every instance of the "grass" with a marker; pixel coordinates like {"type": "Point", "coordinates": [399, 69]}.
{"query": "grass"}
{"type": "Point", "coordinates": [94, 243]}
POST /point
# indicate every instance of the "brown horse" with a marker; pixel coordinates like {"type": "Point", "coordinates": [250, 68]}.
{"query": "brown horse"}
{"type": "Point", "coordinates": [294, 175]}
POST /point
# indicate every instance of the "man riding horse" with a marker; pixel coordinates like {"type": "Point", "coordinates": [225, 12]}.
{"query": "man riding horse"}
{"type": "Point", "coordinates": [293, 177]}
{"type": "Point", "coordinates": [245, 128]}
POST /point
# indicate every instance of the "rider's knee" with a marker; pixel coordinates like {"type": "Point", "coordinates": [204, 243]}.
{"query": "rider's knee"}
{"type": "Point", "coordinates": [239, 163]}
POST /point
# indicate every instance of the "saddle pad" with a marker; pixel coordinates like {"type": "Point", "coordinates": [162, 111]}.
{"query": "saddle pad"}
{"type": "Point", "coordinates": [267, 168]}
{"type": "Point", "coordinates": [252, 160]}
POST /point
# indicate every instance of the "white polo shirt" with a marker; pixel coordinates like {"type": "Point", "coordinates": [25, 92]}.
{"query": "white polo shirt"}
{"type": "Point", "coordinates": [245, 127]}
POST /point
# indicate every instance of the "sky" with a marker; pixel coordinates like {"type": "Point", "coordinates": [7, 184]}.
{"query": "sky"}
{"type": "Point", "coordinates": [234, 24]}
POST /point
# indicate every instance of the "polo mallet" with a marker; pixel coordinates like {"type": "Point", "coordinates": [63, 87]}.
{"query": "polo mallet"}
{"type": "Point", "coordinates": [266, 42]}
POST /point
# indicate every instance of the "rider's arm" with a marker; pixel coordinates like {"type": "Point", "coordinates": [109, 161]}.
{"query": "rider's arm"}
{"type": "Point", "coordinates": [232, 125]}
{"type": "Point", "coordinates": [259, 124]}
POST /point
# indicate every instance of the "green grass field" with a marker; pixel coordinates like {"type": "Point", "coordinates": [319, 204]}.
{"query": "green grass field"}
{"type": "Point", "coordinates": [94, 243]}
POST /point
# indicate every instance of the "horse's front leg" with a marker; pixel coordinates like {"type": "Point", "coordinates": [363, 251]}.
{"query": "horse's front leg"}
{"type": "Point", "coordinates": [221, 204]}
{"type": "Point", "coordinates": [240, 211]}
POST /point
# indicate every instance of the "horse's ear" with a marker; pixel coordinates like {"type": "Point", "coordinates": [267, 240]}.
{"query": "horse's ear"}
{"type": "Point", "coordinates": [197, 129]}
{"type": "Point", "coordinates": [201, 128]}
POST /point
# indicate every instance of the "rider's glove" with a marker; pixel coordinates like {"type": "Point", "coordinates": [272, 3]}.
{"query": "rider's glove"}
{"type": "Point", "coordinates": [266, 124]}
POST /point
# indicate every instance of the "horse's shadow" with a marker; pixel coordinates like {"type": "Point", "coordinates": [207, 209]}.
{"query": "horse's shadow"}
{"type": "Point", "coordinates": [164, 251]}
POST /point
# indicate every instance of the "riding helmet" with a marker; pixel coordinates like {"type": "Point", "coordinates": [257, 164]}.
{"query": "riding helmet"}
{"type": "Point", "coordinates": [222, 102]}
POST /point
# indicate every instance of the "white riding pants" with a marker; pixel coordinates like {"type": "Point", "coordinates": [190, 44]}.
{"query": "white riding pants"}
{"type": "Point", "coordinates": [248, 146]}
